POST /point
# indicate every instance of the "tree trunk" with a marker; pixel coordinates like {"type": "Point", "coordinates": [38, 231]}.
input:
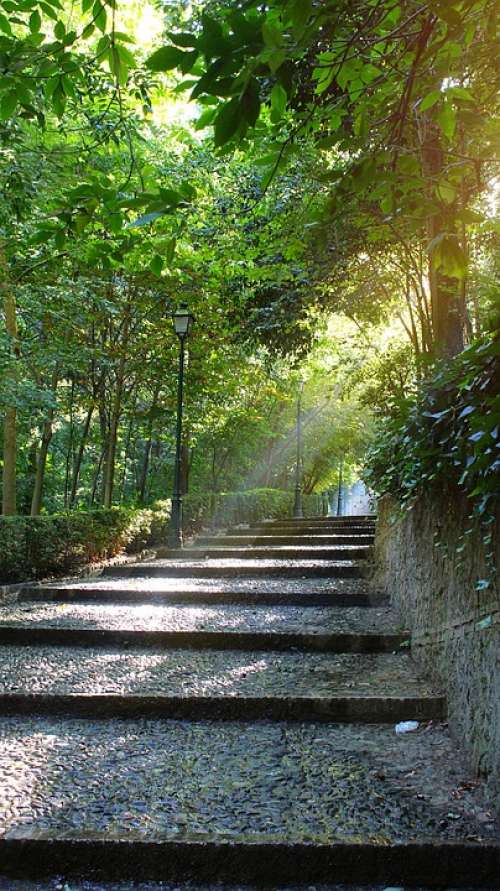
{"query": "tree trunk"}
{"type": "Point", "coordinates": [79, 457]}
{"type": "Point", "coordinates": [36, 501]}
{"type": "Point", "coordinates": [339, 494]}
{"type": "Point", "coordinates": [109, 468]}
{"type": "Point", "coordinates": [9, 506]}
{"type": "Point", "coordinates": [126, 454]}
{"type": "Point", "coordinates": [69, 450]}
{"type": "Point", "coordinates": [96, 478]}
{"type": "Point", "coordinates": [147, 451]}
{"type": "Point", "coordinates": [447, 322]}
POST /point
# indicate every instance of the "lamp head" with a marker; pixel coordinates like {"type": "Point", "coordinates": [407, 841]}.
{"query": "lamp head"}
{"type": "Point", "coordinates": [183, 321]}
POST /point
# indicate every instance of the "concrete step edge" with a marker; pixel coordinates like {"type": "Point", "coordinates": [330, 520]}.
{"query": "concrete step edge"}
{"type": "Point", "coordinates": [338, 709]}
{"type": "Point", "coordinates": [341, 642]}
{"type": "Point", "coordinates": [269, 598]}
{"type": "Point", "coordinates": [431, 862]}
{"type": "Point", "coordinates": [342, 569]}
{"type": "Point", "coordinates": [254, 552]}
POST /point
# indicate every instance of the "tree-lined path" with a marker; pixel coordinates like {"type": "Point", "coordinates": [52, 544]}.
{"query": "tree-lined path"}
{"type": "Point", "coordinates": [228, 714]}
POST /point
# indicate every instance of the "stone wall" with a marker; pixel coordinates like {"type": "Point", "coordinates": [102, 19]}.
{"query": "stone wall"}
{"type": "Point", "coordinates": [455, 627]}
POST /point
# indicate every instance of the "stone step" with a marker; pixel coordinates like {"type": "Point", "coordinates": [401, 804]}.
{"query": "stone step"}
{"type": "Point", "coordinates": [271, 552]}
{"type": "Point", "coordinates": [186, 619]}
{"type": "Point", "coordinates": [224, 685]}
{"type": "Point", "coordinates": [235, 592]}
{"type": "Point", "coordinates": [202, 640]}
{"type": "Point", "coordinates": [217, 802]}
{"type": "Point", "coordinates": [336, 709]}
{"type": "Point", "coordinates": [234, 568]}
{"type": "Point", "coordinates": [291, 539]}
{"type": "Point", "coordinates": [318, 522]}
{"type": "Point", "coordinates": [264, 529]}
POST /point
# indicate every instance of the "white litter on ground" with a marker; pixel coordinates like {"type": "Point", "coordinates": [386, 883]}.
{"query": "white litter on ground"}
{"type": "Point", "coordinates": [406, 726]}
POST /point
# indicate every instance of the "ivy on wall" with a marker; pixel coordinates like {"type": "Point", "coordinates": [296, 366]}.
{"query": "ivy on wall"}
{"type": "Point", "coordinates": [448, 434]}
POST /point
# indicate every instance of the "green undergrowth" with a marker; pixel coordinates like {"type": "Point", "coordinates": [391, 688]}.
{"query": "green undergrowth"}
{"type": "Point", "coordinates": [447, 437]}
{"type": "Point", "coordinates": [36, 547]}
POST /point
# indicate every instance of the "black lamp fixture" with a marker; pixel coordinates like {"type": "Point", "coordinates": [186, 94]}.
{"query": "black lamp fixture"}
{"type": "Point", "coordinates": [183, 321]}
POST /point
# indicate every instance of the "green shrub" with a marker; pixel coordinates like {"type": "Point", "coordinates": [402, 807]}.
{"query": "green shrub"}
{"type": "Point", "coordinates": [34, 547]}
{"type": "Point", "coordinates": [37, 547]}
{"type": "Point", "coordinates": [253, 505]}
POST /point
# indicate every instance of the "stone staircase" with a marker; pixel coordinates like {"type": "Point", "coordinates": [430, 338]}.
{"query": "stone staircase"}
{"type": "Point", "coordinates": [226, 714]}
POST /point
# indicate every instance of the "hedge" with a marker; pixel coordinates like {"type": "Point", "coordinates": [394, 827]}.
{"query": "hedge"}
{"type": "Point", "coordinates": [37, 547]}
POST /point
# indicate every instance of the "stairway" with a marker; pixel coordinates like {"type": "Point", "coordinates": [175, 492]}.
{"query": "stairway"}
{"type": "Point", "coordinates": [227, 714]}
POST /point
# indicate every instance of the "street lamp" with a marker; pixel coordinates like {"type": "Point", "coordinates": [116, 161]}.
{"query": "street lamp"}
{"type": "Point", "coordinates": [183, 322]}
{"type": "Point", "coordinates": [297, 508]}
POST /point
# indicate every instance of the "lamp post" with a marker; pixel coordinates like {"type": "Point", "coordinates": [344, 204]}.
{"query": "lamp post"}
{"type": "Point", "coordinates": [297, 508]}
{"type": "Point", "coordinates": [183, 321]}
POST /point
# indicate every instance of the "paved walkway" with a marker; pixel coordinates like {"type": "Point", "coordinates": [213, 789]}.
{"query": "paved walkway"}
{"type": "Point", "coordinates": [229, 718]}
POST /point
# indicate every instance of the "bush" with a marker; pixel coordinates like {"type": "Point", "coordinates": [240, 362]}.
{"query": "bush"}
{"type": "Point", "coordinates": [36, 547]}
{"type": "Point", "coordinates": [259, 504]}
{"type": "Point", "coordinates": [448, 434]}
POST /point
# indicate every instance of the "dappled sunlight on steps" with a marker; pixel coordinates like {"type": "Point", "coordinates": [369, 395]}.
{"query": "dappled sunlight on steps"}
{"type": "Point", "coordinates": [221, 717]}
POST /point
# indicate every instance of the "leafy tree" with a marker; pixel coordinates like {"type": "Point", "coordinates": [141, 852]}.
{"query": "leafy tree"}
{"type": "Point", "coordinates": [399, 97]}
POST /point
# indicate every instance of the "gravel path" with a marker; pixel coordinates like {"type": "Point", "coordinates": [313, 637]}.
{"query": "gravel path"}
{"type": "Point", "coordinates": [240, 566]}
{"type": "Point", "coordinates": [253, 782]}
{"type": "Point", "coordinates": [290, 619]}
{"type": "Point", "coordinates": [62, 670]}
{"type": "Point", "coordinates": [213, 586]}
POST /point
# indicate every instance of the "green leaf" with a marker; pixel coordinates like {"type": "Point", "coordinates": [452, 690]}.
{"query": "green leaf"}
{"type": "Point", "coordinates": [48, 11]}
{"type": "Point", "coordinates": [165, 59]}
{"type": "Point", "coordinates": [8, 105]}
{"type": "Point", "coordinates": [51, 85]}
{"type": "Point", "coordinates": [298, 12]}
{"type": "Point", "coordinates": [145, 220]}
{"type": "Point", "coordinates": [171, 245]}
{"type": "Point", "coordinates": [448, 256]}
{"type": "Point", "coordinates": [447, 120]}
{"type": "Point", "coordinates": [183, 39]}
{"type": "Point", "coordinates": [60, 31]}
{"type": "Point", "coordinates": [430, 100]}
{"type": "Point", "coordinates": [469, 216]}
{"type": "Point", "coordinates": [5, 25]}
{"type": "Point", "coordinates": [227, 122]}
{"type": "Point", "coordinates": [126, 57]}
{"type": "Point", "coordinates": [250, 103]}
{"type": "Point", "coordinates": [116, 223]}
{"type": "Point", "coordinates": [35, 22]}
{"type": "Point", "coordinates": [205, 119]}
{"type": "Point", "coordinates": [446, 192]}
{"type": "Point", "coordinates": [99, 15]}
{"type": "Point", "coordinates": [273, 38]}
{"type": "Point", "coordinates": [279, 101]}
{"type": "Point", "coordinates": [156, 265]}
{"type": "Point", "coordinates": [445, 12]}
